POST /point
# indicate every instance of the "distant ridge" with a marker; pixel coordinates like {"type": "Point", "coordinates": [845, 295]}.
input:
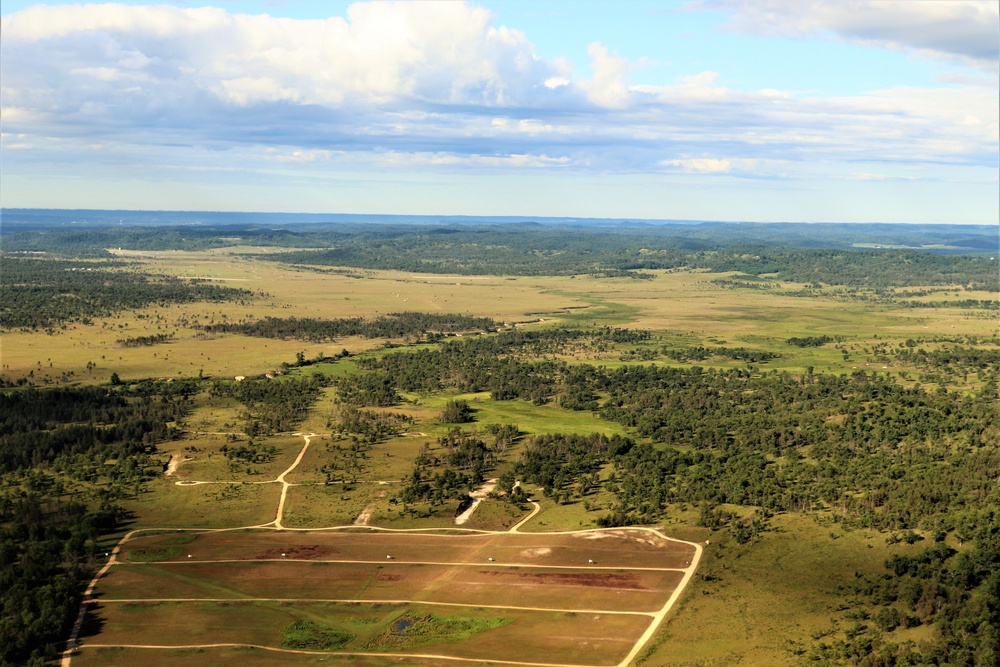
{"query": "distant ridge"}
{"type": "Point", "coordinates": [120, 228]}
{"type": "Point", "coordinates": [26, 218]}
{"type": "Point", "coordinates": [108, 217]}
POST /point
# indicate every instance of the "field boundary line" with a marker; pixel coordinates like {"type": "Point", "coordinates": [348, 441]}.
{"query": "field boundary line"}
{"type": "Point", "coordinates": [338, 601]}
{"type": "Point", "coordinates": [396, 561]}
{"type": "Point", "coordinates": [659, 617]}
{"type": "Point", "coordinates": [349, 654]}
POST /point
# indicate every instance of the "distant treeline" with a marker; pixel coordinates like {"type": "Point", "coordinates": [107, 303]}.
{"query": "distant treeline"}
{"type": "Point", "coordinates": [702, 353]}
{"type": "Point", "coordinates": [393, 325]}
{"type": "Point", "coordinates": [41, 293]}
{"type": "Point", "coordinates": [786, 253]}
{"type": "Point", "coordinates": [144, 341]}
{"type": "Point", "coordinates": [533, 255]}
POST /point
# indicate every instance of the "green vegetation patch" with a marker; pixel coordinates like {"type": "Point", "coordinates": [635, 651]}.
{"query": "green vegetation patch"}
{"type": "Point", "coordinates": [179, 539]}
{"type": "Point", "coordinates": [312, 636]}
{"type": "Point", "coordinates": [409, 630]}
{"type": "Point", "coordinates": [153, 554]}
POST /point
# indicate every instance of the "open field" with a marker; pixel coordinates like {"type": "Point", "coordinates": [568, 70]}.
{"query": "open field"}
{"type": "Point", "coordinates": [577, 638]}
{"type": "Point", "coordinates": [764, 603]}
{"type": "Point", "coordinates": [589, 597]}
{"type": "Point", "coordinates": [166, 505]}
{"type": "Point", "coordinates": [236, 656]}
{"type": "Point", "coordinates": [620, 548]}
{"type": "Point", "coordinates": [683, 305]}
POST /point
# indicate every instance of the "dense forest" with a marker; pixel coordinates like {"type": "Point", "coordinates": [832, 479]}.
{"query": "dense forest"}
{"type": "Point", "coordinates": [99, 441]}
{"type": "Point", "coordinates": [44, 293]}
{"type": "Point", "coordinates": [884, 454]}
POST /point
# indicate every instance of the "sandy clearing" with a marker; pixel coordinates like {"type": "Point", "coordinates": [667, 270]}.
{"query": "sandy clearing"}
{"type": "Point", "coordinates": [477, 497]}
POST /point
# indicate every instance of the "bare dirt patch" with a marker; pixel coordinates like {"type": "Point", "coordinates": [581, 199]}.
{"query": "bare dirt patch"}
{"type": "Point", "coordinates": [299, 551]}
{"type": "Point", "coordinates": [536, 552]}
{"type": "Point", "coordinates": [628, 581]}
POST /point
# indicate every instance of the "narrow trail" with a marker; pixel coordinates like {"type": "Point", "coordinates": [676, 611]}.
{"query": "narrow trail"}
{"type": "Point", "coordinates": [284, 484]}
{"type": "Point", "coordinates": [656, 618]}
{"type": "Point", "coordinates": [401, 561]}
{"type": "Point", "coordinates": [73, 642]}
{"type": "Point", "coordinates": [516, 528]}
{"type": "Point", "coordinates": [659, 616]}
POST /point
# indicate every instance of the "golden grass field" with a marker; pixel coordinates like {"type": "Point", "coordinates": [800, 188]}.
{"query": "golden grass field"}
{"type": "Point", "coordinates": [683, 305]}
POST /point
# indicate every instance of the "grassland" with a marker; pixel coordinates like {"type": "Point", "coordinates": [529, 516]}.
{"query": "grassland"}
{"type": "Point", "coordinates": [682, 305]}
{"type": "Point", "coordinates": [765, 603]}
{"type": "Point", "coordinates": [759, 603]}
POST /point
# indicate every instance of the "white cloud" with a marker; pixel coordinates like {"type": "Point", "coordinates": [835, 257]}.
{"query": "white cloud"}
{"type": "Point", "coordinates": [435, 52]}
{"type": "Point", "coordinates": [607, 88]}
{"type": "Point", "coordinates": [967, 31]}
{"type": "Point", "coordinates": [709, 165]}
{"type": "Point", "coordinates": [436, 84]}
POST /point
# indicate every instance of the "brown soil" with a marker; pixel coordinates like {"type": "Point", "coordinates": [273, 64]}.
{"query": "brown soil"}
{"type": "Point", "coordinates": [300, 552]}
{"type": "Point", "coordinates": [385, 576]}
{"type": "Point", "coordinates": [628, 581]}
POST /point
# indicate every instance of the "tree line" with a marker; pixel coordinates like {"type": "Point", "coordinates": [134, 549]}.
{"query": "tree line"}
{"type": "Point", "coordinates": [393, 325]}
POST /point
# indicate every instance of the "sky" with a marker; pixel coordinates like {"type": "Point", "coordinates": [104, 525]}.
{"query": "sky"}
{"type": "Point", "coordinates": [739, 110]}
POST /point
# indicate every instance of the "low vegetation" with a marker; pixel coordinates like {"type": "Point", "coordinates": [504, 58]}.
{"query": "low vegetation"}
{"type": "Point", "coordinates": [312, 636]}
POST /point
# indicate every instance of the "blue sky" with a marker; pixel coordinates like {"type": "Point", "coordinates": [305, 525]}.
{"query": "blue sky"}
{"type": "Point", "coordinates": [762, 110]}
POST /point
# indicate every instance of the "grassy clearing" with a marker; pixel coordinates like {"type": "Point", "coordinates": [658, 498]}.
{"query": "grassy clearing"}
{"type": "Point", "coordinates": [529, 418]}
{"type": "Point", "coordinates": [168, 505]}
{"type": "Point", "coordinates": [497, 515]}
{"type": "Point", "coordinates": [153, 554]}
{"type": "Point", "coordinates": [762, 603]}
{"type": "Point", "coordinates": [388, 461]}
{"type": "Point", "coordinates": [320, 506]}
{"type": "Point", "coordinates": [204, 460]}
